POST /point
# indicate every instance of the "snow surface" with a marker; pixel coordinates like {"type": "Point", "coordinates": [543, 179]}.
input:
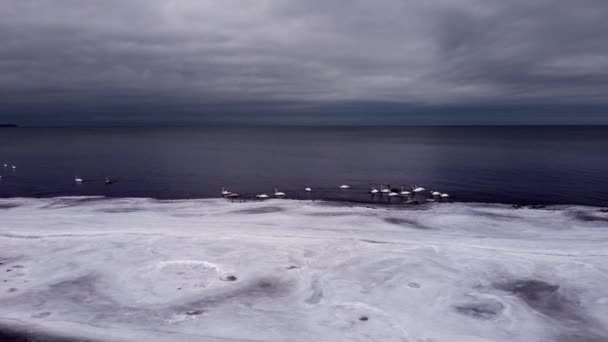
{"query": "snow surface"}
{"type": "Point", "coordinates": [284, 270]}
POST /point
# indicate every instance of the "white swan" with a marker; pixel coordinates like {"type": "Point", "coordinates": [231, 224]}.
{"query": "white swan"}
{"type": "Point", "coordinates": [225, 192]}
{"type": "Point", "coordinates": [233, 195]}
{"type": "Point", "coordinates": [445, 195]}
{"type": "Point", "coordinates": [374, 191]}
{"type": "Point", "coordinates": [418, 189]}
{"type": "Point", "coordinates": [14, 167]}
{"type": "Point", "coordinates": [436, 193]}
{"type": "Point", "coordinates": [344, 187]}
{"type": "Point", "coordinates": [5, 165]}
{"type": "Point", "coordinates": [277, 193]}
{"type": "Point", "coordinates": [404, 193]}
{"type": "Point", "coordinates": [383, 190]}
{"type": "Point", "coordinates": [308, 189]}
{"type": "Point", "coordinates": [78, 180]}
{"type": "Point", "coordinates": [261, 196]}
{"type": "Point", "coordinates": [392, 194]}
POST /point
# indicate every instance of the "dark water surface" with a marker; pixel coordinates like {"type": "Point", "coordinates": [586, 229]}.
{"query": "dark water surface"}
{"type": "Point", "coordinates": [543, 164]}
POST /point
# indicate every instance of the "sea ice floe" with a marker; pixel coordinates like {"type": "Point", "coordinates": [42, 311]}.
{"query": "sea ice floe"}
{"type": "Point", "coordinates": [282, 270]}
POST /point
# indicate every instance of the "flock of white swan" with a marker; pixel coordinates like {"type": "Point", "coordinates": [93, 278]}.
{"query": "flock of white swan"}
{"type": "Point", "coordinates": [80, 180]}
{"type": "Point", "coordinates": [76, 179]}
{"type": "Point", "coordinates": [388, 191]}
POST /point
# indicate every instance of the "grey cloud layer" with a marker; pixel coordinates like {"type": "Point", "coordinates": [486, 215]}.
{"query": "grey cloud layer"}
{"type": "Point", "coordinates": [203, 51]}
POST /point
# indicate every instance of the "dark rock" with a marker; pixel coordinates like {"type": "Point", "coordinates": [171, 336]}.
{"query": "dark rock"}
{"type": "Point", "coordinates": [195, 312]}
{"type": "Point", "coordinates": [480, 310]}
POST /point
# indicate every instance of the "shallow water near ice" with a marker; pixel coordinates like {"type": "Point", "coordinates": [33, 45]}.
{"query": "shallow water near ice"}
{"type": "Point", "coordinates": [100, 269]}
{"type": "Point", "coordinates": [525, 165]}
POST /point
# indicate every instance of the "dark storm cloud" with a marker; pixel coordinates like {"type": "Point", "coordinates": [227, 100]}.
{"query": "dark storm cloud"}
{"type": "Point", "coordinates": [67, 55]}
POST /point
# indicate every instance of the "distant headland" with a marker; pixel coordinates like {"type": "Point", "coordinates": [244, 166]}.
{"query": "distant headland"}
{"type": "Point", "coordinates": [7, 125]}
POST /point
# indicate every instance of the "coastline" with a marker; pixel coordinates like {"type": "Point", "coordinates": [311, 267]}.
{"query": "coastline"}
{"type": "Point", "coordinates": [325, 201]}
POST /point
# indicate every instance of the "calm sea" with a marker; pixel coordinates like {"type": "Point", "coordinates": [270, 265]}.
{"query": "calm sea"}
{"type": "Point", "coordinates": [543, 164]}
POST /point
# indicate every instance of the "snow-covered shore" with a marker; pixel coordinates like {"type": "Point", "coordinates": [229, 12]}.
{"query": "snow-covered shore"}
{"type": "Point", "coordinates": [286, 270]}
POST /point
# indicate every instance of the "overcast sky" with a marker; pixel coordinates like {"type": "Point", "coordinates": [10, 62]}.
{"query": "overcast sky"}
{"type": "Point", "coordinates": [314, 61]}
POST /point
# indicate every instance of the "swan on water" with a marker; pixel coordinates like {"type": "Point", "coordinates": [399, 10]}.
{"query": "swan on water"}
{"type": "Point", "coordinates": [5, 165]}
{"type": "Point", "coordinates": [277, 193]}
{"type": "Point", "coordinates": [418, 189]}
{"type": "Point", "coordinates": [78, 180]}
{"type": "Point", "coordinates": [308, 189]}
{"type": "Point", "coordinates": [373, 191]}
{"type": "Point", "coordinates": [261, 196]}
{"type": "Point", "coordinates": [225, 192]}
{"type": "Point", "coordinates": [14, 167]}
{"type": "Point", "coordinates": [445, 195]}
{"type": "Point", "coordinates": [404, 192]}
{"type": "Point", "coordinates": [344, 187]}
{"type": "Point", "coordinates": [233, 195]}
{"type": "Point", "coordinates": [393, 194]}
{"type": "Point", "coordinates": [436, 193]}
{"type": "Point", "coordinates": [383, 190]}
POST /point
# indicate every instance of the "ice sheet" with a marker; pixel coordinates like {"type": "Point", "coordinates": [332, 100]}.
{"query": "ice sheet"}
{"type": "Point", "coordinates": [283, 270]}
